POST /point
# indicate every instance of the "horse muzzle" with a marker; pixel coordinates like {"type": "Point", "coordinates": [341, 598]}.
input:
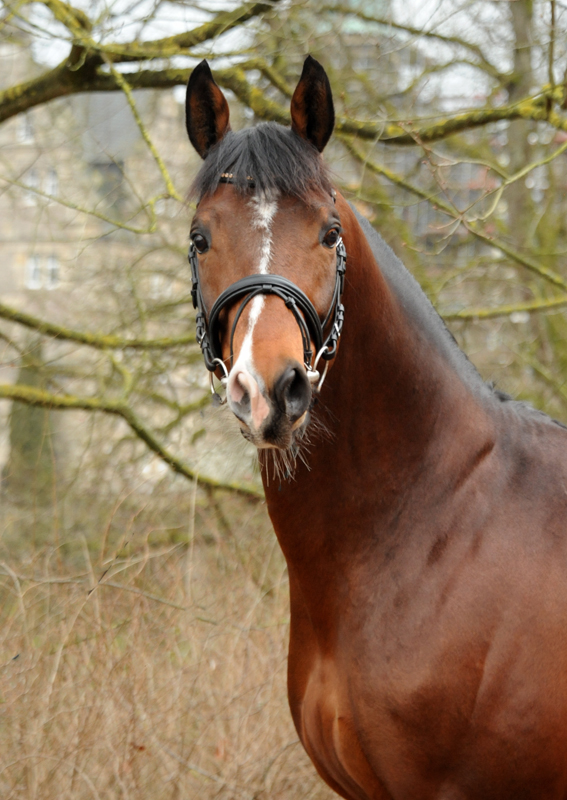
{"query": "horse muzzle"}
{"type": "Point", "coordinates": [271, 417]}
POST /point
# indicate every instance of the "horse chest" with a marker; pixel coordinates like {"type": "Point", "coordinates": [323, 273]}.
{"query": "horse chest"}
{"type": "Point", "coordinates": [417, 737]}
{"type": "Point", "coordinates": [326, 724]}
{"type": "Point", "coordinates": [366, 738]}
{"type": "Point", "coordinates": [411, 702]}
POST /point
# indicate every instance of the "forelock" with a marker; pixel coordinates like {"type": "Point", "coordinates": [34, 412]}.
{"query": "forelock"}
{"type": "Point", "coordinates": [266, 157]}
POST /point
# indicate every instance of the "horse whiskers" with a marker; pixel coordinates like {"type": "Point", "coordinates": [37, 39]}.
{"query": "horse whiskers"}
{"type": "Point", "coordinates": [284, 462]}
{"type": "Point", "coordinates": [318, 430]}
{"type": "Point", "coordinates": [280, 464]}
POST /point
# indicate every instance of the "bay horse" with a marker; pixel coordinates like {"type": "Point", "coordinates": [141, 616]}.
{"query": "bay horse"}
{"type": "Point", "coordinates": [422, 515]}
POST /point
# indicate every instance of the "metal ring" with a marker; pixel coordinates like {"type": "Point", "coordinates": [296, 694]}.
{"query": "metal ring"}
{"type": "Point", "coordinates": [224, 380]}
{"type": "Point", "coordinates": [221, 363]}
{"type": "Point", "coordinates": [314, 367]}
{"type": "Point", "coordinates": [318, 356]}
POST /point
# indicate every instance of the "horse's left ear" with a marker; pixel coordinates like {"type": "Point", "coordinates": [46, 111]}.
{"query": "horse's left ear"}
{"type": "Point", "coordinates": [312, 110]}
{"type": "Point", "coordinates": [206, 110]}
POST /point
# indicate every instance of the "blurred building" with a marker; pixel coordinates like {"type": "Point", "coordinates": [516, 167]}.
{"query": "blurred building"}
{"type": "Point", "coordinates": [77, 154]}
{"type": "Point", "coordinates": [89, 238]}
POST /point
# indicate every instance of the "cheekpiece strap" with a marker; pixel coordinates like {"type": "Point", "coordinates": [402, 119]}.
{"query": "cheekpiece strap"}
{"type": "Point", "coordinates": [202, 331]}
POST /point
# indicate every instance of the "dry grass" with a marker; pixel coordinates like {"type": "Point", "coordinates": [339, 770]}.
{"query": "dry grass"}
{"type": "Point", "coordinates": [146, 658]}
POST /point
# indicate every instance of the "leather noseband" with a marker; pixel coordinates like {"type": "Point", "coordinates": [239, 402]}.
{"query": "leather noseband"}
{"type": "Point", "coordinates": [310, 325]}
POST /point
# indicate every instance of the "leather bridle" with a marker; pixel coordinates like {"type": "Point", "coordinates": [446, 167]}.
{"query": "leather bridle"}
{"type": "Point", "coordinates": [306, 316]}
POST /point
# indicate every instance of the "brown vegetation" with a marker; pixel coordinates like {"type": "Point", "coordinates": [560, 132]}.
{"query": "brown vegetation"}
{"type": "Point", "coordinates": [146, 657]}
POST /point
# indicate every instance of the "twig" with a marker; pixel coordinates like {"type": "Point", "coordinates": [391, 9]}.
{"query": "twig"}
{"type": "Point", "coordinates": [124, 85]}
{"type": "Point", "coordinates": [91, 212]}
{"type": "Point", "coordinates": [417, 32]}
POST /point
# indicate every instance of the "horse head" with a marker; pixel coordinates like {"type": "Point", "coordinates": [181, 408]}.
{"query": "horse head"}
{"type": "Point", "coordinates": [266, 255]}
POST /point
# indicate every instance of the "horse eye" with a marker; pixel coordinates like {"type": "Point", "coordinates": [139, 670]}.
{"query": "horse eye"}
{"type": "Point", "coordinates": [331, 238]}
{"type": "Point", "coordinates": [201, 244]}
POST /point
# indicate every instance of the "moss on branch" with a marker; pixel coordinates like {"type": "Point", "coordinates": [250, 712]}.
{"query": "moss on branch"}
{"type": "Point", "coordinates": [414, 132]}
{"type": "Point", "coordinates": [86, 72]}
{"type": "Point", "coordinates": [172, 45]}
{"type": "Point", "coordinates": [80, 72]}
{"type": "Point", "coordinates": [235, 80]}
{"type": "Point", "coordinates": [96, 340]}
{"type": "Point", "coordinates": [91, 77]}
{"type": "Point", "coordinates": [506, 310]}
{"type": "Point", "coordinates": [44, 399]}
{"type": "Point", "coordinates": [54, 83]}
{"type": "Point", "coordinates": [74, 19]}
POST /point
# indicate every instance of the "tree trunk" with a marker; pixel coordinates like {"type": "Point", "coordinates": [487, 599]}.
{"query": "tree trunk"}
{"type": "Point", "coordinates": [519, 200]}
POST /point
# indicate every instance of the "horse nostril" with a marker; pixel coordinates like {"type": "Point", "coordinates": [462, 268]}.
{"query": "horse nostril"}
{"type": "Point", "coordinates": [244, 403]}
{"type": "Point", "coordinates": [293, 393]}
{"type": "Point", "coordinates": [240, 393]}
{"type": "Point", "coordinates": [246, 399]}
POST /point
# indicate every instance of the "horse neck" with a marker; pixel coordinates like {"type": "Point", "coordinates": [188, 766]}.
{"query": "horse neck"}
{"type": "Point", "coordinates": [393, 403]}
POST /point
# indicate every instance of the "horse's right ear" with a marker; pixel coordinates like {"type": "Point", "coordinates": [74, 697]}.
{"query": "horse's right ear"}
{"type": "Point", "coordinates": [312, 111]}
{"type": "Point", "coordinates": [206, 110]}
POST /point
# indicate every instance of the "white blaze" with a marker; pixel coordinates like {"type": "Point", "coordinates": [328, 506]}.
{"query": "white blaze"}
{"type": "Point", "coordinates": [264, 207]}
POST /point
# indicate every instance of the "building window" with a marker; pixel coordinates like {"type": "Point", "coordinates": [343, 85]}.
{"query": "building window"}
{"type": "Point", "coordinates": [32, 181]}
{"type": "Point", "coordinates": [25, 130]}
{"type": "Point", "coordinates": [52, 182]}
{"type": "Point", "coordinates": [33, 273]}
{"type": "Point", "coordinates": [52, 277]}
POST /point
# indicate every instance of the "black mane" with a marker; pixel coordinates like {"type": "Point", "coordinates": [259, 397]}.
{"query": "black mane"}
{"type": "Point", "coordinates": [273, 157]}
{"type": "Point", "coordinates": [421, 312]}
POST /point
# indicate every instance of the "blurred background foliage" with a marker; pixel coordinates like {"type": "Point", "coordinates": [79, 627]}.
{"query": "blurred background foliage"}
{"type": "Point", "coordinates": [143, 600]}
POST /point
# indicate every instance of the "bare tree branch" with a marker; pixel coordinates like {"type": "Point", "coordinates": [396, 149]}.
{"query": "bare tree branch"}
{"type": "Point", "coordinates": [439, 204]}
{"type": "Point", "coordinates": [483, 61]}
{"type": "Point", "coordinates": [507, 310]}
{"type": "Point", "coordinates": [38, 397]}
{"type": "Point", "coordinates": [79, 72]}
{"type": "Point", "coordinates": [98, 341]}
